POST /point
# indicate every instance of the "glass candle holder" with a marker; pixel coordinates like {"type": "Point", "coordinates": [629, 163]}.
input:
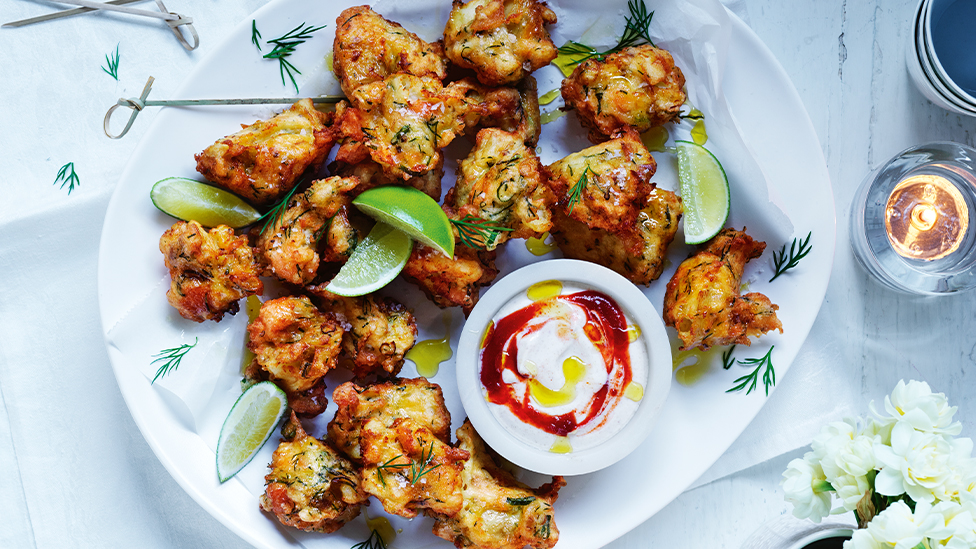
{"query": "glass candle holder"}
{"type": "Point", "coordinates": [912, 220]}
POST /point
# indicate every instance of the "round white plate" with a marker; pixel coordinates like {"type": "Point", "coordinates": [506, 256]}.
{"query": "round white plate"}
{"type": "Point", "coordinates": [698, 422]}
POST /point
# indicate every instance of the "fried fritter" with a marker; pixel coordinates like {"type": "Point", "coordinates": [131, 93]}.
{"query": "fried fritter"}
{"type": "Point", "coordinates": [638, 87]}
{"type": "Point", "coordinates": [310, 486]}
{"type": "Point", "coordinates": [290, 245]}
{"type": "Point", "coordinates": [604, 186]}
{"type": "Point", "coordinates": [501, 40]}
{"type": "Point", "coordinates": [416, 399]}
{"type": "Point", "coordinates": [702, 301]}
{"type": "Point", "coordinates": [502, 183]}
{"type": "Point", "coordinates": [295, 342]}
{"type": "Point", "coordinates": [210, 271]}
{"type": "Point", "coordinates": [408, 469]}
{"type": "Point", "coordinates": [263, 161]}
{"type": "Point", "coordinates": [451, 282]}
{"type": "Point", "coordinates": [657, 224]}
{"type": "Point", "coordinates": [379, 331]}
{"type": "Point", "coordinates": [368, 48]}
{"type": "Point", "coordinates": [499, 512]}
{"type": "Point", "coordinates": [371, 175]}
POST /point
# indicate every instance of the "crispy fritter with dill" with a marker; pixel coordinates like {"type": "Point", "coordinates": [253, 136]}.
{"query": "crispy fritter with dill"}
{"type": "Point", "coordinates": [639, 258]}
{"type": "Point", "coordinates": [379, 331]}
{"type": "Point", "coordinates": [264, 161]}
{"type": "Point", "coordinates": [501, 40]}
{"type": "Point", "coordinates": [296, 344]}
{"type": "Point", "coordinates": [368, 48]}
{"type": "Point", "coordinates": [703, 301]}
{"type": "Point", "coordinates": [498, 512]}
{"type": "Point", "coordinates": [502, 183]}
{"type": "Point", "coordinates": [310, 486]}
{"type": "Point", "coordinates": [408, 469]}
{"type": "Point", "coordinates": [416, 399]}
{"type": "Point", "coordinates": [210, 271]}
{"type": "Point", "coordinates": [290, 245]}
{"type": "Point", "coordinates": [372, 175]}
{"type": "Point", "coordinates": [451, 281]}
{"type": "Point", "coordinates": [639, 87]}
{"type": "Point", "coordinates": [604, 186]}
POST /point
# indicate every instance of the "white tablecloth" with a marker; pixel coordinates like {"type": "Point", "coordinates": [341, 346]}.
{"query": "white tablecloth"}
{"type": "Point", "coordinates": [76, 470]}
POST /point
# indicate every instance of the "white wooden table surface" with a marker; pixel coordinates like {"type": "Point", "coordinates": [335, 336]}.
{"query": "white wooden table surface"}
{"type": "Point", "coordinates": [76, 472]}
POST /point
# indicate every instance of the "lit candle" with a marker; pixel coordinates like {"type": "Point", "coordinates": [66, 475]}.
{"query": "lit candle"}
{"type": "Point", "coordinates": [926, 217]}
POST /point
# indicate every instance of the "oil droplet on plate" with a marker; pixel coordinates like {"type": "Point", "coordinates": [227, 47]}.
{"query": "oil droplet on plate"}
{"type": "Point", "coordinates": [544, 290]}
{"type": "Point", "coordinates": [328, 61]}
{"type": "Point", "coordinates": [427, 355]}
{"type": "Point", "coordinates": [538, 246]}
{"type": "Point", "coordinates": [561, 446]}
{"type": "Point", "coordinates": [574, 370]}
{"type": "Point", "coordinates": [633, 332]}
{"type": "Point", "coordinates": [383, 528]}
{"type": "Point", "coordinates": [549, 116]}
{"type": "Point", "coordinates": [655, 139]}
{"type": "Point", "coordinates": [252, 306]}
{"type": "Point", "coordinates": [693, 364]}
{"type": "Point", "coordinates": [549, 97]}
{"type": "Point", "coordinates": [698, 134]}
{"type": "Point", "coordinates": [634, 391]}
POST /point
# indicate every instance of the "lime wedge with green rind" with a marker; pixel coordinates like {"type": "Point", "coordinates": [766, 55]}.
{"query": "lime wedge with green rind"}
{"type": "Point", "coordinates": [210, 206]}
{"type": "Point", "coordinates": [250, 424]}
{"type": "Point", "coordinates": [374, 262]}
{"type": "Point", "coordinates": [412, 212]}
{"type": "Point", "coordinates": [705, 194]}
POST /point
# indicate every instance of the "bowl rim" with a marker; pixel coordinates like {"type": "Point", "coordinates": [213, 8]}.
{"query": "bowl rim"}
{"type": "Point", "coordinates": [937, 67]}
{"type": "Point", "coordinates": [923, 74]}
{"type": "Point", "coordinates": [638, 309]}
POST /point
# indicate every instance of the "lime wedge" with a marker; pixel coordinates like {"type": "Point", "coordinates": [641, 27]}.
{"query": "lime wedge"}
{"type": "Point", "coordinates": [210, 206]}
{"type": "Point", "coordinates": [704, 192]}
{"type": "Point", "coordinates": [412, 212]}
{"type": "Point", "coordinates": [374, 262]}
{"type": "Point", "coordinates": [248, 426]}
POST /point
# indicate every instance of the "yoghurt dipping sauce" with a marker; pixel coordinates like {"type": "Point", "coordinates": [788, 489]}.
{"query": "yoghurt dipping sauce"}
{"type": "Point", "coordinates": [563, 367]}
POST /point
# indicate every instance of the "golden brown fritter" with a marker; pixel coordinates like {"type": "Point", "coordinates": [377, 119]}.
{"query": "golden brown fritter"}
{"type": "Point", "coordinates": [368, 48]}
{"type": "Point", "coordinates": [604, 186]}
{"type": "Point", "coordinates": [310, 486]}
{"type": "Point", "coordinates": [290, 246]}
{"type": "Point", "coordinates": [379, 331]}
{"type": "Point", "coordinates": [638, 87]}
{"type": "Point", "coordinates": [408, 469]}
{"type": "Point", "coordinates": [501, 40]}
{"type": "Point", "coordinates": [499, 512]}
{"type": "Point", "coordinates": [702, 301]}
{"type": "Point", "coordinates": [371, 175]}
{"type": "Point", "coordinates": [263, 161]}
{"type": "Point", "coordinates": [294, 342]}
{"type": "Point", "coordinates": [657, 224]}
{"type": "Point", "coordinates": [502, 183]}
{"type": "Point", "coordinates": [210, 271]}
{"type": "Point", "coordinates": [451, 282]}
{"type": "Point", "coordinates": [416, 399]}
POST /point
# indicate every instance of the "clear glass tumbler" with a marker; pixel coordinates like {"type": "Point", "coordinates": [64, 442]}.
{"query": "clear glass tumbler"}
{"type": "Point", "coordinates": [912, 220]}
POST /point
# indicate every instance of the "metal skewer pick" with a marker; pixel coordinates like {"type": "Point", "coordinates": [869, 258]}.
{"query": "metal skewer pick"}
{"type": "Point", "coordinates": [174, 20]}
{"type": "Point", "coordinates": [137, 104]}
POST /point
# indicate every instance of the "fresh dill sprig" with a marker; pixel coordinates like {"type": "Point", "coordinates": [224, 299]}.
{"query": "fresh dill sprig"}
{"type": "Point", "coordinates": [576, 193]}
{"type": "Point", "coordinates": [67, 176]}
{"type": "Point", "coordinates": [113, 64]}
{"type": "Point", "coordinates": [637, 29]}
{"type": "Point", "coordinates": [255, 34]}
{"type": "Point", "coordinates": [171, 358]}
{"type": "Point", "coordinates": [272, 216]}
{"type": "Point", "coordinates": [391, 466]}
{"type": "Point", "coordinates": [285, 46]}
{"type": "Point", "coordinates": [727, 360]}
{"type": "Point", "coordinates": [476, 232]}
{"type": "Point", "coordinates": [783, 264]}
{"type": "Point", "coordinates": [749, 380]}
{"type": "Point", "coordinates": [374, 541]}
{"type": "Point", "coordinates": [416, 473]}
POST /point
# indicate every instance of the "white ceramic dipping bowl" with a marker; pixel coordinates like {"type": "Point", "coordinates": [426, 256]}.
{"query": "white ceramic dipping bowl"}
{"type": "Point", "coordinates": [636, 308]}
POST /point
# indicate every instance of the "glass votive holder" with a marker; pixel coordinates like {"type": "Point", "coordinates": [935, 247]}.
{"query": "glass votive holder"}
{"type": "Point", "coordinates": [911, 220]}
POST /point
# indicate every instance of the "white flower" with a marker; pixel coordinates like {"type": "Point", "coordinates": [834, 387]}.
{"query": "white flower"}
{"type": "Point", "coordinates": [850, 490]}
{"type": "Point", "coordinates": [846, 453]}
{"type": "Point", "coordinates": [806, 488]}
{"type": "Point", "coordinates": [916, 463]}
{"type": "Point", "coordinates": [924, 410]}
{"type": "Point", "coordinates": [898, 527]}
{"type": "Point", "coordinates": [862, 539]}
{"type": "Point", "coordinates": [960, 524]}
